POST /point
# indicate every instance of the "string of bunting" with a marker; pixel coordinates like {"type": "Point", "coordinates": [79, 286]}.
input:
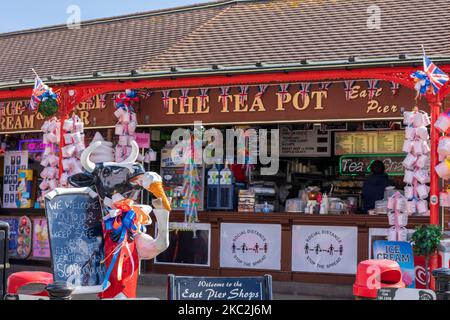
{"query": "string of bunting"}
{"type": "Point", "coordinates": [283, 89]}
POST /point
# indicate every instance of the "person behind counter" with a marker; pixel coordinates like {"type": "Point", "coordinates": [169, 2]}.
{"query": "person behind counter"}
{"type": "Point", "coordinates": [373, 188]}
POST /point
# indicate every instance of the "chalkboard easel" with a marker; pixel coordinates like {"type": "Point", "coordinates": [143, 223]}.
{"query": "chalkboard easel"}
{"type": "Point", "coordinates": [76, 238]}
{"type": "Point", "coordinates": [219, 288]}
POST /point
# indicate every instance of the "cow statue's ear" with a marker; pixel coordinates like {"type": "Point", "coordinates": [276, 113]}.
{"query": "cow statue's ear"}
{"type": "Point", "coordinates": [82, 180]}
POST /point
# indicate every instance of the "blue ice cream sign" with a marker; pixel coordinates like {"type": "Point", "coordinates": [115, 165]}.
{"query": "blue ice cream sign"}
{"type": "Point", "coordinates": [400, 252]}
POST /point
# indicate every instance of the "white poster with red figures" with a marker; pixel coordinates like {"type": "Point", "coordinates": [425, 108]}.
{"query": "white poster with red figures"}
{"type": "Point", "coordinates": [250, 246]}
{"type": "Point", "coordinates": [325, 249]}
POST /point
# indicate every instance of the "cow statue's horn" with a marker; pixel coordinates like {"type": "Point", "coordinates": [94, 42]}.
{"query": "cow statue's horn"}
{"type": "Point", "coordinates": [134, 153]}
{"type": "Point", "coordinates": [88, 165]}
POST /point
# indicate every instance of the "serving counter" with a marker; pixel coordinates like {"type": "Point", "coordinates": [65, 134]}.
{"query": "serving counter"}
{"type": "Point", "coordinates": [340, 241]}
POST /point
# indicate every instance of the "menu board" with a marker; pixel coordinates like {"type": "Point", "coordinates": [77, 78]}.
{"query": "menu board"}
{"type": "Point", "coordinates": [76, 238]}
{"type": "Point", "coordinates": [303, 143]}
{"type": "Point", "coordinates": [369, 142]}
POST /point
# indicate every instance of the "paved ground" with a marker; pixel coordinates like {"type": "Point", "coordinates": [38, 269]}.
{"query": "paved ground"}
{"type": "Point", "coordinates": [154, 286]}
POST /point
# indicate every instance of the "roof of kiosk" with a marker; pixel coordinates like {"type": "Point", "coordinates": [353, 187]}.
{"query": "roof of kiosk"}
{"type": "Point", "coordinates": [227, 35]}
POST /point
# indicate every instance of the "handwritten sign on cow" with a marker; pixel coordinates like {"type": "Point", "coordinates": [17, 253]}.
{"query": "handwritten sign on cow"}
{"type": "Point", "coordinates": [212, 288]}
{"type": "Point", "coordinates": [76, 239]}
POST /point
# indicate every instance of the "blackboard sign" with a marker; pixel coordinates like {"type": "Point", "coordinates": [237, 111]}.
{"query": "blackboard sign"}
{"type": "Point", "coordinates": [353, 165]}
{"type": "Point", "coordinates": [405, 294]}
{"type": "Point", "coordinates": [211, 288]}
{"type": "Point", "coordinates": [76, 239]}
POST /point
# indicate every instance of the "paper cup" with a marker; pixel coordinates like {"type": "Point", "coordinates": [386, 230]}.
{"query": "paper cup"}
{"type": "Point", "coordinates": [410, 133]}
{"type": "Point", "coordinates": [402, 219]}
{"type": "Point", "coordinates": [425, 147]}
{"type": "Point", "coordinates": [119, 112]}
{"type": "Point", "coordinates": [43, 185]}
{"type": "Point", "coordinates": [123, 140]}
{"type": "Point", "coordinates": [418, 120]}
{"type": "Point", "coordinates": [426, 119]}
{"type": "Point", "coordinates": [44, 161]}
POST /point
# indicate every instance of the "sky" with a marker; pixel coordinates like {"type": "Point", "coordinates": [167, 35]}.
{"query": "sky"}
{"type": "Point", "coordinates": [26, 14]}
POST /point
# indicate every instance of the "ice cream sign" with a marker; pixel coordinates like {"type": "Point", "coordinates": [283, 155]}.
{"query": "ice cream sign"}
{"type": "Point", "coordinates": [402, 253]}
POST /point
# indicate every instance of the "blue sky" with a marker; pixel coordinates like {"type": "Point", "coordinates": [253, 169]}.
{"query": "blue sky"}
{"type": "Point", "coordinates": [26, 14]}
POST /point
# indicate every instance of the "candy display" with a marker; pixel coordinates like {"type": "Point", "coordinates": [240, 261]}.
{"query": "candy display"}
{"type": "Point", "coordinates": [72, 149]}
{"type": "Point", "coordinates": [50, 157]}
{"type": "Point", "coordinates": [416, 162]}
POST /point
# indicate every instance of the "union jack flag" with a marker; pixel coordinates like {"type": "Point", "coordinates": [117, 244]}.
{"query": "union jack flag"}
{"type": "Point", "coordinates": [348, 88]}
{"type": "Point", "coordinates": [38, 91]}
{"type": "Point", "coordinates": [283, 90]}
{"type": "Point", "coordinates": [438, 78]}
{"type": "Point", "coordinates": [262, 88]}
{"type": "Point", "coordinates": [203, 95]}
{"type": "Point", "coordinates": [395, 87]}
{"type": "Point", "coordinates": [304, 89]}
{"type": "Point", "coordinates": [324, 86]}
{"type": "Point", "coordinates": [224, 94]}
{"type": "Point", "coordinates": [243, 94]}
{"type": "Point", "coordinates": [184, 97]}
{"type": "Point", "coordinates": [372, 88]}
{"type": "Point", "coordinates": [165, 98]}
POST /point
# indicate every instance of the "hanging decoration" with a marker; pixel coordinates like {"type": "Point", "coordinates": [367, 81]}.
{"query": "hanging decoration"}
{"type": "Point", "coordinates": [262, 88]}
{"type": "Point", "coordinates": [184, 97]}
{"type": "Point", "coordinates": [191, 188]}
{"type": "Point", "coordinates": [431, 79]}
{"type": "Point", "coordinates": [417, 161]}
{"type": "Point", "coordinates": [372, 88]}
{"type": "Point", "coordinates": [50, 157]}
{"type": "Point", "coordinates": [243, 94]}
{"type": "Point", "coordinates": [283, 90]}
{"type": "Point", "coordinates": [43, 98]}
{"type": "Point", "coordinates": [203, 96]}
{"type": "Point", "coordinates": [224, 94]}
{"type": "Point", "coordinates": [166, 97]}
{"type": "Point", "coordinates": [126, 125]}
{"type": "Point", "coordinates": [395, 88]}
{"type": "Point", "coordinates": [348, 87]}
{"type": "Point", "coordinates": [304, 89]}
{"type": "Point", "coordinates": [73, 147]}
{"type": "Point", "coordinates": [324, 86]}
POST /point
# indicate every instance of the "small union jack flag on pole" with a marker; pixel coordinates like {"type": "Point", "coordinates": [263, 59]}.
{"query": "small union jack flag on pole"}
{"type": "Point", "coordinates": [184, 97]}
{"type": "Point", "coordinates": [40, 88]}
{"type": "Point", "coordinates": [348, 88]}
{"type": "Point", "coordinates": [372, 88]}
{"type": "Point", "coordinates": [395, 87]}
{"type": "Point", "coordinates": [437, 77]}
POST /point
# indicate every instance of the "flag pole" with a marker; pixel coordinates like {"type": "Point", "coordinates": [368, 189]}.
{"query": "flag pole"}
{"type": "Point", "coordinates": [35, 73]}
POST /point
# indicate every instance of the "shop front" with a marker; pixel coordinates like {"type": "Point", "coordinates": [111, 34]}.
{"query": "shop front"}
{"type": "Point", "coordinates": [327, 136]}
{"type": "Point", "coordinates": [322, 138]}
